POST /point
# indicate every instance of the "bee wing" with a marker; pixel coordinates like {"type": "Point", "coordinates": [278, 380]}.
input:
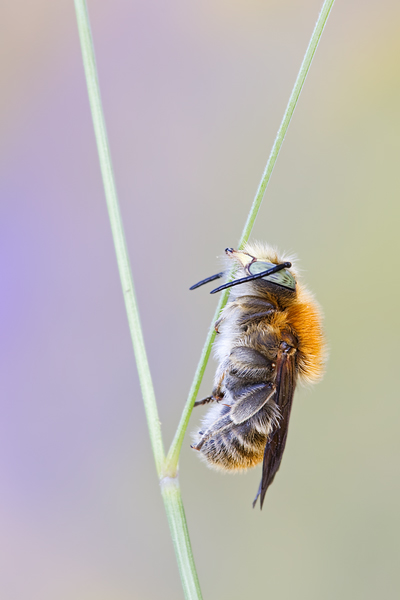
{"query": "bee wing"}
{"type": "Point", "coordinates": [285, 386]}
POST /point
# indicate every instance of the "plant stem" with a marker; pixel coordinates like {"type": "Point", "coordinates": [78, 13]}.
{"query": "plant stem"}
{"type": "Point", "coordinates": [294, 96]}
{"type": "Point", "coordinates": [170, 487]}
{"type": "Point", "coordinates": [121, 251]}
{"type": "Point", "coordinates": [171, 494]}
{"type": "Point", "coordinates": [173, 453]}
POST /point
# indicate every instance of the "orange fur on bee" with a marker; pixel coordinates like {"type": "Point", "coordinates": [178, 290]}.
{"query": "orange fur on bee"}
{"type": "Point", "coordinates": [302, 315]}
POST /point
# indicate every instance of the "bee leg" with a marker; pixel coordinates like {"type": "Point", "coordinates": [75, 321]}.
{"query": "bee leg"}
{"type": "Point", "coordinates": [216, 395]}
{"type": "Point", "coordinates": [207, 400]}
{"type": "Point", "coordinates": [203, 440]}
{"type": "Point", "coordinates": [204, 401]}
{"type": "Point", "coordinates": [252, 401]}
{"type": "Point", "coordinates": [218, 426]}
{"type": "Point", "coordinates": [218, 323]}
{"type": "Point", "coordinates": [225, 313]}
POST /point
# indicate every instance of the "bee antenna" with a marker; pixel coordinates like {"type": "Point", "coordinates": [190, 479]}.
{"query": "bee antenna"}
{"type": "Point", "coordinates": [207, 280]}
{"type": "Point", "coordinates": [285, 265]}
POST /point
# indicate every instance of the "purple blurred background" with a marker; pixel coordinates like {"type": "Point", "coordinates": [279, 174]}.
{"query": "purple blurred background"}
{"type": "Point", "coordinates": [193, 94]}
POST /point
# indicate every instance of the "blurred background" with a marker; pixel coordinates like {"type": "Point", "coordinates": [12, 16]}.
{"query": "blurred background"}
{"type": "Point", "coordinates": [193, 95]}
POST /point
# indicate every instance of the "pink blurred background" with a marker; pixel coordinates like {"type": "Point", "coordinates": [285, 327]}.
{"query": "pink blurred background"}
{"type": "Point", "coordinates": [193, 95]}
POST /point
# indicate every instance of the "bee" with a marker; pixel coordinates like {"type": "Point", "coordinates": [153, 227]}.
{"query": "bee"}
{"type": "Point", "coordinates": [269, 337]}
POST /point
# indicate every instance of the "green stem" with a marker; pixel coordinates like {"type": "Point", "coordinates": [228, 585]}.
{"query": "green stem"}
{"type": "Point", "coordinates": [170, 487]}
{"type": "Point", "coordinates": [174, 451]}
{"type": "Point", "coordinates": [171, 494]}
{"type": "Point", "coordinates": [121, 251]}
{"type": "Point", "coordinates": [294, 96]}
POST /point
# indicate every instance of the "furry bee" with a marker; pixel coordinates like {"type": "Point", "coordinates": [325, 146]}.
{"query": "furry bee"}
{"type": "Point", "coordinates": [269, 337]}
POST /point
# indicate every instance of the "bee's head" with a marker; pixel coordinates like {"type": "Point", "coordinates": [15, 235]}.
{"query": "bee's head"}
{"type": "Point", "coordinates": [257, 259]}
{"type": "Point", "coordinates": [259, 266]}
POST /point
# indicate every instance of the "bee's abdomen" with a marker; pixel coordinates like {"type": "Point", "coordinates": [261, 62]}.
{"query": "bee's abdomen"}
{"type": "Point", "coordinates": [239, 446]}
{"type": "Point", "coordinates": [229, 450]}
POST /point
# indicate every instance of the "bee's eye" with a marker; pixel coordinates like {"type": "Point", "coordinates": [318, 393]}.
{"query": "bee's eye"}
{"type": "Point", "coordinates": [283, 277]}
{"type": "Point", "coordinates": [258, 267]}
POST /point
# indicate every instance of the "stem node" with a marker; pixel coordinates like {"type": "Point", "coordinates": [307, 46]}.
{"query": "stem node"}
{"type": "Point", "coordinates": [169, 481]}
